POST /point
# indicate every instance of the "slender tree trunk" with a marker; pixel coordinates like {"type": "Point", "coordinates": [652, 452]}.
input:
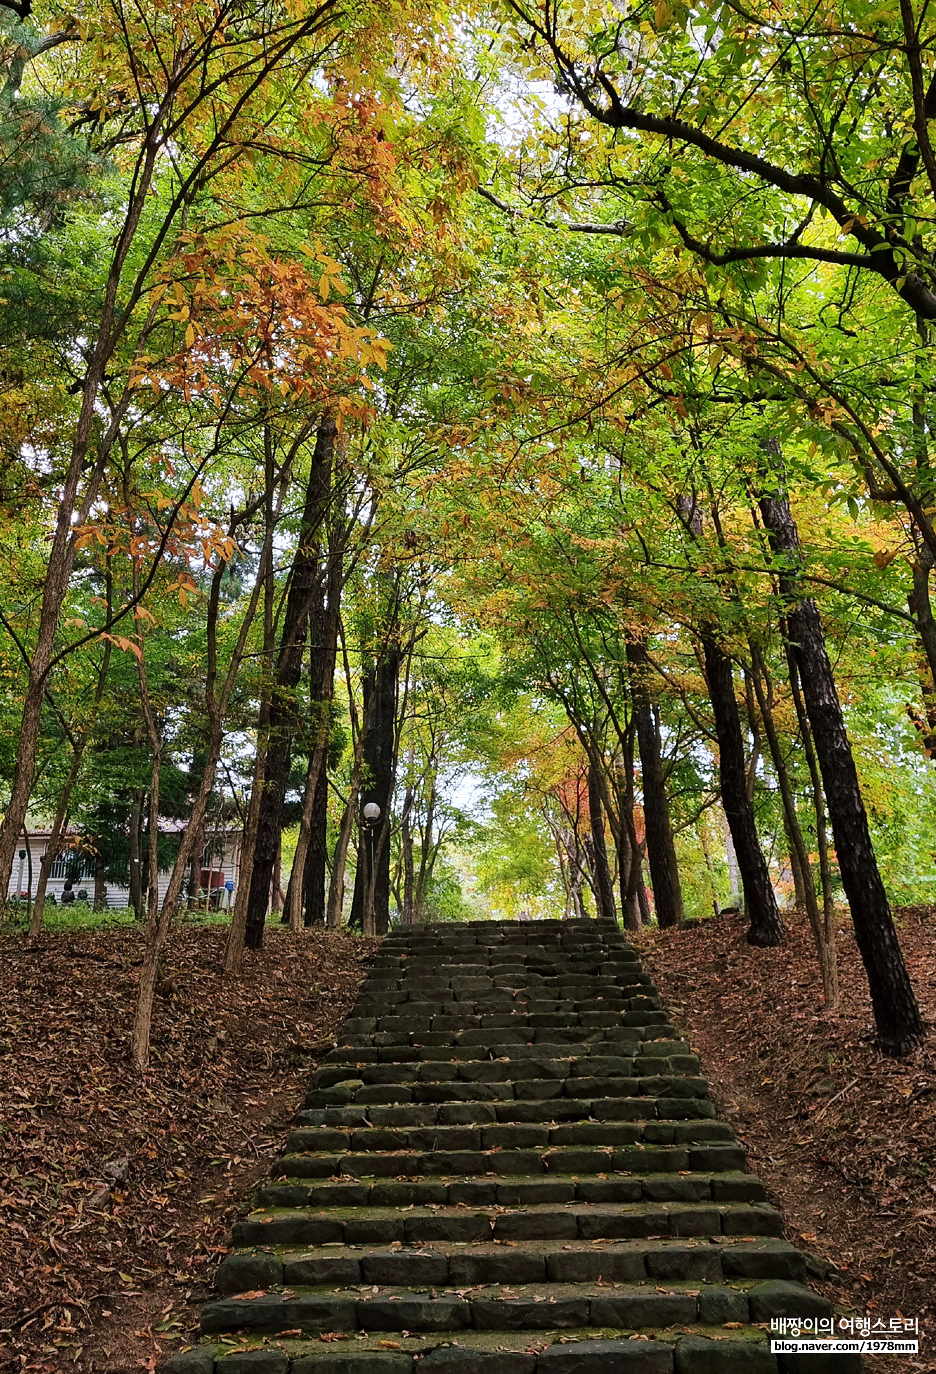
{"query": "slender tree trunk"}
{"type": "Point", "coordinates": [99, 882]}
{"type": "Point", "coordinates": [824, 949]}
{"type": "Point", "coordinates": [766, 928]}
{"type": "Point", "coordinates": [277, 899]}
{"type": "Point", "coordinates": [664, 871]}
{"type": "Point", "coordinates": [59, 822]}
{"type": "Point", "coordinates": [812, 763]}
{"type": "Point", "coordinates": [642, 900]}
{"type": "Point", "coordinates": [800, 897]}
{"type": "Point", "coordinates": [310, 864]}
{"type": "Point", "coordinates": [314, 781]}
{"type": "Point", "coordinates": [731, 859]}
{"type": "Point", "coordinates": [896, 1014]}
{"type": "Point", "coordinates": [428, 850]}
{"type": "Point", "coordinates": [604, 891]}
{"type": "Point", "coordinates": [136, 872]}
{"type": "Point", "coordinates": [315, 876]}
{"type": "Point", "coordinates": [304, 582]}
{"type": "Point", "coordinates": [157, 923]}
{"type": "Point", "coordinates": [921, 607]}
{"type": "Point", "coordinates": [234, 947]}
{"type": "Point", "coordinates": [406, 845]}
{"type": "Point", "coordinates": [709, 865]}
{"type": "Point", "coordinates": [380, 710]}
{"type": "Point", "coordinates": [754, 760]}
{"type": "Point", "coordinates": [340, 857]}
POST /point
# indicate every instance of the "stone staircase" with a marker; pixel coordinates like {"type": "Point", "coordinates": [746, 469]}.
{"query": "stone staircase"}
{"type": "Point", "coordinates": [509, 1165]}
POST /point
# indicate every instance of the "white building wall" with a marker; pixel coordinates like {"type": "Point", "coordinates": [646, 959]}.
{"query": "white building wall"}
{"type": "Point", "coordinates": [117, 897]}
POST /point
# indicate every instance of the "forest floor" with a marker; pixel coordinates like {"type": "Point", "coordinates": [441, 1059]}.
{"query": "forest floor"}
{"type": "Point", "coordinates": [116, 1191]}
{"type": "Point", "coordinates": [105, 1275]}
{"type": "Point", "coordinates": [844, 1139]}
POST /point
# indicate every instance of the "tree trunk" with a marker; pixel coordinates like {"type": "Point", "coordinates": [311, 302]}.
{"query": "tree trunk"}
{"type": "Point", "coordinates": [292, 913]}
{"type": "Point", "coordinates": [136, 872]}
{"type": "Point", "coordinates": [604, 890]}
{"type": "Point", "coordinates": [664, 872]}
{"type": "Point", "coordinates": [896, 1014]}
{"type": "Point", "coordinates": [99, 882]}
{"type": "Point", "coordinates": [340, 858]}
{"type": "Point", "coordinates": [921, 607]}
{"type": "Point", "coordinates": [277, 899]}
{"type": "Point", "coordinates": [371, 902]}
{"type": "Point", "coordinates": [825, 949]}
{"type": "Point", "coordinates": [406, 845]}
{"type": "Point", "coordinates": [800, 881]}
{"type": "Point", "coordinates": [315, 875]}
{"type": "Point", "coordinates": [59, 823]}
{"type": "Point", "coordinates": [304, 581]}
{"type": "Point", "coordinates": [310, 865]}
{"type": "Point", "coordinates": [630, 911]}
{"type": "Point", "coordinates": [766, 928]}
{"type": "Point", "coordinates": [157, 922]}
{"type": "Point", "coordinates": [428, 850]}
{"type": "Point", "coordinates": [642, 899]}
{"type": "Point", "coordinates": [819, 809]}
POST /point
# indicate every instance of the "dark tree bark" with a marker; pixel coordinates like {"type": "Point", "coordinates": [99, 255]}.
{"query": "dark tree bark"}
{"type": "Point", "coordinates": [921, 608]}
{"type": "Point", "coordinates": [380, 710]}
{"type": "Point", "coordinates": [661, 852]}
{"type": "Point", "coordinates": [315, 879]}
{"type": "Point", "coordinates": [323, 634]}
{"type": "Point", "coordinates": [799, 856]}
{"type": "Point", "coordinates": [896, 1014]}
{"type": "Point", "coordinates": [99, 883]}
{"type": "Point", "coordinates": [604, 890]}
{"type": "Point", "coordinates": [766, 928]}
{"type": "Point", "coordinates": [643, 904]}
{"type": "Point", "coordinates": [304, 580]}
{"type": "Point", "coordinates": [136, 872]}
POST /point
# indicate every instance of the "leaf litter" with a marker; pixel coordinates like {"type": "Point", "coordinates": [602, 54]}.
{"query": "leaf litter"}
{"type": "Point", "coordinates": [117, 1191]}
{"type": "Point", "coordinates": [844, 1138]}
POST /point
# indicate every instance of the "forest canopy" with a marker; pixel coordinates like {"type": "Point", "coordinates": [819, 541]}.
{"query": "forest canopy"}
{"type": "Point", "coordinates": [477, 460]}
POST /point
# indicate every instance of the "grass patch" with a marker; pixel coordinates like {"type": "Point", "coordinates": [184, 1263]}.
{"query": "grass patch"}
{"type": "Point", "coordinates": [64, 919]}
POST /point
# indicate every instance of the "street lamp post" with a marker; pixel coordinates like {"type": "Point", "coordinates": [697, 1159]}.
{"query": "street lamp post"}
{"type": "Point", "coordinates": [370, 813]}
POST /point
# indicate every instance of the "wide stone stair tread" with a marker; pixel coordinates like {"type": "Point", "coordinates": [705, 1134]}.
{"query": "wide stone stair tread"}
{"type": "Point", "coordinates": [509, 1164]}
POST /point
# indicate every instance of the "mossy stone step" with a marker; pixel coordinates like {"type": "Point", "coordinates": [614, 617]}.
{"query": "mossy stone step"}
{"type": "Point", "coordinates": [703, 1351]}
{"type": "Point", "coordinates": [388, 1306]}
{"type": "Point", "coordinates": [518, 1191]}
{"type": "Point", "coordinates": [555, 1114]}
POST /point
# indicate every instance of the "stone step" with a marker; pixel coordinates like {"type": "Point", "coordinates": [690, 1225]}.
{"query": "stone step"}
{"type": "Point", "coordinates": [389, 1306]}
{"type": "Point", "coordinates": [285, 1221]}
{"type": "Point", "coordinates": [592, 1069]}
{"type": "Point", "coordinates": [385, 1162]}
{"type": "Point", "coordinates": [535, 1030]}
{"type": "Point", "coordinates": [587, 1351]}
{"type": "Point", "coordinates": [644, 1059]}
{"type": "Point", "coordinates": [504, 1135]}
{"type": "Point", "coordinates": [509, 1164]}
{"type": "Point", "coordinates": [520, 1191]}
{"type": "Point", "coordinates": [407, 993]}
{"type": "Point", "coordinates": [567, 1112]}
{"type": "Point", "coordinates": [731, 1261]}
{"type": "Point", "coordinates": [539, 1091]}
{"type": "Point", "coordinates": [633, 1011]}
